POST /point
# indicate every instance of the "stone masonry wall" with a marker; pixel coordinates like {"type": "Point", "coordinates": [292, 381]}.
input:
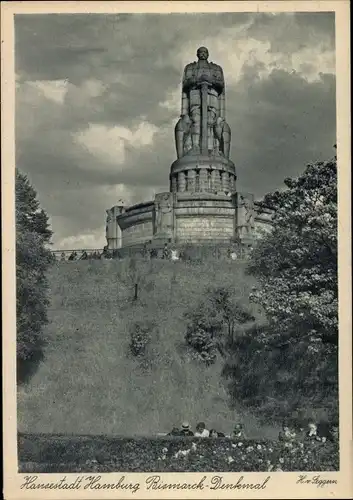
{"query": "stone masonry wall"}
{"type": "Point", "coordinates": [139, 233]}
{"type": "Point", "coordinates": [194, 218]}
{"type": "Point", "coordinates": [204, 228]}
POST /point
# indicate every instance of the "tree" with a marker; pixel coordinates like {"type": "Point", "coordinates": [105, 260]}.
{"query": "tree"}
{"type": "Point", "coordinates": [32, 261]}
{"type": "Point", "coordinates": [232, 309]}
{"type": "Point", "coordinates": [212, 324]}
{"type": "Point", "coordinates": [296, 263]}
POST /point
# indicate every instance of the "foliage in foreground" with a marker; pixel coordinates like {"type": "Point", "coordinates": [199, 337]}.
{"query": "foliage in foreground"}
{"type": "Point", "coordinates": [40, 453]}
{"type": "Point", "coordinates": [296, 263]}
{"type": "Point", "coordinates": [283, 380]}
{"type": "Point", "coordinates": [289, 368]}
{"type": "Point", "coordinates": [32, 261]}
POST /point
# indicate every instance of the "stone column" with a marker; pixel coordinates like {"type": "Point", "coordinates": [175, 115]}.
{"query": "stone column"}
{"type": "Point", "coordinates": [225, 182]}
{"type": "Point", "coordinates": [191, 180]}
{"type": "Point", "coordinates": [231, 183]}
{"type": "Point", "coordinates": [181, 182]}
{"type": "Point", "coordinates": [203, 179]}
{"type": "Point", "coordinates": [209, 179]}
{"type": "Point", "coordinates": [113, 231]}
{"type": "Point", "coordinates": [218, 181]}
{"type": "Point", "coordinates": [197, 180]}
{"type": "Point", "coordinates": [214, 180]}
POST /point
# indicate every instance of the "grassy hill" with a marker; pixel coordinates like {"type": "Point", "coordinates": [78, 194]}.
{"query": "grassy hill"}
{"type": "Point", "coordinates": [89, 383]}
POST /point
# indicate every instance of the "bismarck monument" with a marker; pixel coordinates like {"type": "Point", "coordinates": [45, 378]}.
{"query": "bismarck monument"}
{"type": "Point", "coordinates": [202, 205]}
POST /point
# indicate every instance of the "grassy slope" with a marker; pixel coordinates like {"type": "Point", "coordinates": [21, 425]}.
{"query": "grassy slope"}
{"type": "Point", "coordinates": [89, 384]}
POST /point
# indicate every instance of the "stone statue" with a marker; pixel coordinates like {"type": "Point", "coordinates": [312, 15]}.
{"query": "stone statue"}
{"type": "Point", "coordinates": [247, 215]}
{"type": "Point", "coordinates": [202, 128]}
{"type": "Point", "coordinates": [223, 134]}
{"type": "Point", "coordinates": [182, 135]}
{"type": "Point", "coordinates": [163, 219]}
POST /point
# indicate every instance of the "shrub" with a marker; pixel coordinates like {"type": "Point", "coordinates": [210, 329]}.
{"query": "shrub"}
{"type": "Point", "coordinates": [140, 338]}
{"type": "Point", "coordinates": [103, 454]}
{"type": "Point", "coordinates": [32, 261]}
{"type": "Point", "coordinates": [295, 362]}
{"type": "Point", "coordinates": [212, 324]}
{"type": "Point", "coordinates": [203, 331]}
{"type": "Point", "coordinates": [296, 263]}
{"type": "Point", "coordinates": [282, 379]}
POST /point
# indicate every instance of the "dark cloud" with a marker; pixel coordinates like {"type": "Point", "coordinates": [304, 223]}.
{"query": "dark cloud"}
{"type": "Point", "coordinates": [280, 125]}
{"type": "Point", "coordinates": [293, 30]}
{"type": "Point", "coordinates": [121, 68]}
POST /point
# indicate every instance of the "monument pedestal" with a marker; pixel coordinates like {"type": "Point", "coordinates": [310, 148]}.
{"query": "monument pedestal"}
{"type": "Point", "coordinates": [202, 173]}
{"type": "Point", "coordinates": [202, 205]}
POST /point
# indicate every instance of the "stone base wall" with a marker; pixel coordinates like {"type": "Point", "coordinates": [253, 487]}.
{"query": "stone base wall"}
{"type": "Point", "coordinates": [135, 225]}
{"type": "Point", "coordinates": [196, 229]}
{"type": "Point", "coordinates": [138, 233]}
{"type": "Point", "coordinates": [196, 218]}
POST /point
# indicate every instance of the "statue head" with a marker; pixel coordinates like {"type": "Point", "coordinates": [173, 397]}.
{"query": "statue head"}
{"type": "Point", "coordinates": [202, 53]}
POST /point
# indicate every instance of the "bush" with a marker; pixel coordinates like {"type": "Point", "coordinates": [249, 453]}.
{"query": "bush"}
{"type": "Point", "coordinates": [213, 323]}
{"type": "Point", "coordinates": [140, 338]}
{"type": "Point", "coordinates": [293, 364]}
{"type": "Point", "coordinates": [32, 261]}
{"type": "Point", "coordinates": [203, 331]}
{"type": "Point", "coordinates": [280, 379]}
{"type": "Point", "coordinates": [296, 263]}
{"type": "Point", "coordinates": [48, 453]}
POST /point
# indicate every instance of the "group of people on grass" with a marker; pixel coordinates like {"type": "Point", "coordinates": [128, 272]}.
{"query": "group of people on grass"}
{"type": "Point", "coordinates": [321, 431]}
{"type": "Point", "coordinates": [84, 256]}
{"type": "Point", "coordinates": [168, 252]}
{"type": "Point", "coordinates": [202, 432]}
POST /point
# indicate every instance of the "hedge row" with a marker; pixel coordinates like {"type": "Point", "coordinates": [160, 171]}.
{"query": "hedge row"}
{"type": "Point", "coordinates": [49, 453]}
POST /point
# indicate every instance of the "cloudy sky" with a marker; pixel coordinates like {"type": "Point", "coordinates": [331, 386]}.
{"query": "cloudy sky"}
{"type": "Point", "coordinates": [97, 98]}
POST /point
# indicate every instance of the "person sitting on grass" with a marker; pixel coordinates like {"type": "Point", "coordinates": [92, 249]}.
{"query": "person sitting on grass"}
{"type": "Point", "coordinates": [286, 434]}
{"type": "Point", "coordinates": [174, 432]}
{"type": "Point", "coordinates": [335, 432]}
{"type": "Point", "coordinates": [238, 431]}
{"type": "Point", "coordinates": [324, 431]}
{"type": "Point", "coordinates": [201, 430]}
{"type": "Point", "coordinates": [72, 256]}
{"type": "Point", "coordinates": [185, 430]}
{"type": "Point", "coordinates": [174, 255]}
{"type": "Point", "coordinates": [311, 432]}
{"type": "Point", "coordinates": [216, 434]}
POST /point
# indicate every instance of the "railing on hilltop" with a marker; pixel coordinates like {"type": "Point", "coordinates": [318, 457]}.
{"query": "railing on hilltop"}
{"type": "Point", "coordinates": [78, 253]}
{"type": "Point", "coordinates": [184, 253]}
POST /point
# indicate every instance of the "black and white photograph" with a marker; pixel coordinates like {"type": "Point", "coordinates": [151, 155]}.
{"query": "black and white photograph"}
{"type": "Point", "coordinates": [175, 188]}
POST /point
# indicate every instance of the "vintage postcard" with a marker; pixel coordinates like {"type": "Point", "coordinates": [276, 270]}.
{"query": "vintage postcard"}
{"type": "Point", "coordinates": [176, 250]}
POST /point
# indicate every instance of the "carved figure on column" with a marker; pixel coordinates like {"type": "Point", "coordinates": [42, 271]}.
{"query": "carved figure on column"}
{"type": "Point", "coordinates": [182, 135]}
{"type": "Point", "coordinates": [202, 110]}
{"type": "Point", "coordinates": [163, 218]}
{"type": "Point", "coordinates": [223, 134]}
{"type": "Point", "coordinates": [246, 215]}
